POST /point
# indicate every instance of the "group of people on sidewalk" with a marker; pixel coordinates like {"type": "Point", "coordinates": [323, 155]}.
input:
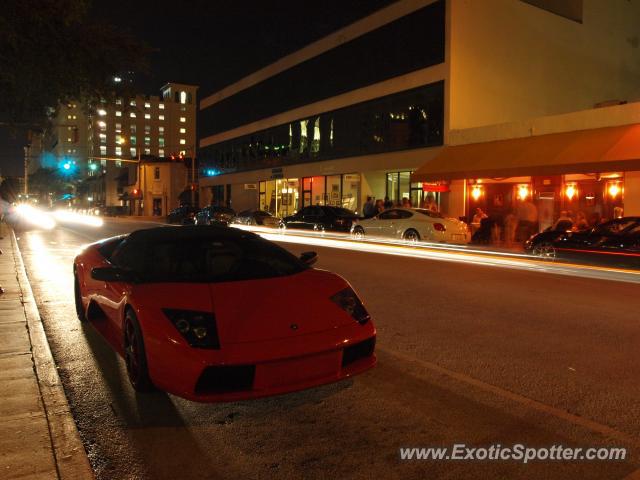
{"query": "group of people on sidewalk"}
{"type": "Point", "coordinates": [517, 226]}
{"type": "Point", "coordinates": [373, 207]}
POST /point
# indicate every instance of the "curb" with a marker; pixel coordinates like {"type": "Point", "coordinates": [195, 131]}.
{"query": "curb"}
{"type": "Point", "coordinates": [68, 451]}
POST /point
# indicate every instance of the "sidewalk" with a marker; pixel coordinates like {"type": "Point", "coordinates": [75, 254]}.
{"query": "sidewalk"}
{"type": "Point", "coordinates": [38, 437]}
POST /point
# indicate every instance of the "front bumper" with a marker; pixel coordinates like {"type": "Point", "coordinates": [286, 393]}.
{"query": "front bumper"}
{"type": "Point", "coordinates": [258, 369]}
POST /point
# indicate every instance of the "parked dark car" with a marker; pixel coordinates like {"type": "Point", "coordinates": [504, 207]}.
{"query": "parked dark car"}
{"type": "Point", "coordinates": [322, 218]}
{"type": "Point", "coordinates": [214, 215]}
{"type": "Point", "coordinates": [183, 215]}
{"type": "Point", "coordinates": [257, 217]}
{"type": "Point", "coordinates": [614, 243]}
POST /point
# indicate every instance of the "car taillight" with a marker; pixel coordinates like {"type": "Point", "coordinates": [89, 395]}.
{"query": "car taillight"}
{"type": "Point", "coordinates": [197, 328]}
{"type": "Point", "coordinates": [439, 227]}
{"type": "Point", "coordinates": [350, 303]}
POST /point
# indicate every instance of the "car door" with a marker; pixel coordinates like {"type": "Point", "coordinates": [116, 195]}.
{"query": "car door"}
{"type": "Point", "coordinates": [311, 217]}
{"type": "Point", "coordinates": [402, 223]}
{"type": "Point", "coordinates": [620, 246]}
{"type": "Point", "coordinates": [384, 227]}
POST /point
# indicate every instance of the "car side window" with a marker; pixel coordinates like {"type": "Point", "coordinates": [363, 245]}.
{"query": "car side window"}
{"type": "Point", "coordinates": [127, 255]}
{"type": "Point", "coordinates": [389, 215]}
{"type": "Point", "coordinates": [404, 214]}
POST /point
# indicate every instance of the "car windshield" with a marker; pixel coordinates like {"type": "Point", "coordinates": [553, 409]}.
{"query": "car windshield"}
{"type": "Point", "coordinates": [428, 213]}
{"type": "Point", "coordinates": [208, 260]}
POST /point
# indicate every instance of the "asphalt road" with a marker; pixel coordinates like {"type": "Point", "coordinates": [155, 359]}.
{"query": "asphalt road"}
{"type": "Point", "coordinates": [468, 353]}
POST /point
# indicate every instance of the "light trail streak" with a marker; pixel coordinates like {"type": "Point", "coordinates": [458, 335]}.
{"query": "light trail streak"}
{"type": "Point", "coordinates": [451, 253]}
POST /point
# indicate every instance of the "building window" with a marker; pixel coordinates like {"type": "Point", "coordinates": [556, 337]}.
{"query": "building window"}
{"type": "Point", "coordinates": [118, 101]}
{"type": "Point", "coordinates": [147, 140]}
{"type": "Point", "coordinates": [147, 129]}
{"type": "Point", "coordinates": [183, 141]}
{"type": "Point", "coordinates": [118, 113]}
{"type": "Point", "coordinates": [161, 106]}
{"type": "Point", "coordinates": [132, 152]}
{"type": "Point", "coordinates": [102, 126]}
{"type": "Point", "coordinates": [103, 150]}
{"type": "Point", "coordinates": [132, 114]}
{"type": "Point", "coordinates": [134, 139]}
{"type": "Point", "coordinates": [102, 112]}
{"type": "Point", "coordinates": [160, 117]}
{"type": "Point", "coordinates": [161, 141]}
{"type": "Point", "coordinates": [183, 130]}
{"type": "Point", "coordinates": [147, 151]}
{"type": "Point", "coordinates": [132, 128]}
{"type": "Point", "coordinates": [183, 119]}
{"type": "Point", "coordinates": [147, 105]}
{"type": "Point", "coordinates": [118, 163]}
{"type": "Point", "coordinates": [103, 137]}
{"type": "Point", "coordinates": [132, 103]}
{"type": "Point", "coordinates": [161, 152]}
{"type": "Point", "coordinates": [119, 151]}
{"type": "Point", "coordinates": [183, 97]}
{"type": "Point", "coordinates": [118, 128]}
{"type": "Point", "coordinates": [156, 173]}
{"type": "Point", "coordinates": [161, 129]}
{"type": "Point", "coordinates": [147, 116]}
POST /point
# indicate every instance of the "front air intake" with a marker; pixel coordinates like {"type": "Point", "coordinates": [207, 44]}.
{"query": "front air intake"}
{"type": "Point", "coordinates": [226, 379]}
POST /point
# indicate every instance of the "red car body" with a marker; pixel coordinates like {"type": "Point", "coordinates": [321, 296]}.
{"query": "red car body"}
{"type": "Point", "coordinates": [275, 335]}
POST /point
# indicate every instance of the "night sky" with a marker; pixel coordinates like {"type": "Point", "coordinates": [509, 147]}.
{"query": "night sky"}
{"type": "Point", "coordinates": [212, 43]}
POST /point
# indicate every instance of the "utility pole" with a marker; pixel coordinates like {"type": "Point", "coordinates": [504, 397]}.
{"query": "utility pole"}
{"type": "Point", "coordinates": [193, 177]}
{"type": "Point", "coordinates": [27, 152]}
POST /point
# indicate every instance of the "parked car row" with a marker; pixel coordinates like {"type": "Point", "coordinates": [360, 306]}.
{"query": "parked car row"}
{"type": "Point", "coordinates": [216, 215]}
{"type": "Point", "coordinates": [410, 224]}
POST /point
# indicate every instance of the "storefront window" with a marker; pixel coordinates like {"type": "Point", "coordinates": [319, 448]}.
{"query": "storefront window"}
{"type": "Point", "coordinates": [336, 190]}
{"type": "Point", "coordinates": [280, 197]}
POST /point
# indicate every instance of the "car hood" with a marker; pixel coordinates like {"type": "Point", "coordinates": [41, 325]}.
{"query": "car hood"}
{"type": "Point", "coordinates": [282, 307]}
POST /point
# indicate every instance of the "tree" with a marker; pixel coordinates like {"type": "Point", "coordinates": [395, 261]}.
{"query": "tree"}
{"type": "Point", "coordinates": [51, 52]}
{"type": "Point", "coordinates": [46, 180]}
{"type": "Point", "coordinates": [9, 189]}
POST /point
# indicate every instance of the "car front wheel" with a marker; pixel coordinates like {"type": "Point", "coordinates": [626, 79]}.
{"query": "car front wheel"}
{"type": "Point", "coordinates": [78, 299]}
{"type": "Point", "coordinates": [358, 233]}
{"type": "Point", "coordinates": [134, 354]}
{"type": "Point", "coordinates": [545, 250]}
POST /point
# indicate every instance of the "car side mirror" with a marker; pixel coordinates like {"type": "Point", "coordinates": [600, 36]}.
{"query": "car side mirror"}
{"type": "Point", "coordinates": [112, 274]}
{"type": "Point", "coordinates": [309, 258]}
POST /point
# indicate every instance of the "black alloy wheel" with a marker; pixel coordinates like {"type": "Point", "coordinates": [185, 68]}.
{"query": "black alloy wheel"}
{"type": "Point", "coordinates": [411, 236]}
{"type": "Point", "coordinates": [78, 299]}
{"type": "Point", "coordinates": [134, 354]}
{"type": "Point", "coordinates": [358, 233]}
{"type": "Point", "coordinates": [545, 250]}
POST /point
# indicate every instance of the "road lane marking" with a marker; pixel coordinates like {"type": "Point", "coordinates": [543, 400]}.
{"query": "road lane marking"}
{"type": "Point", "coordinates": [583, 422]}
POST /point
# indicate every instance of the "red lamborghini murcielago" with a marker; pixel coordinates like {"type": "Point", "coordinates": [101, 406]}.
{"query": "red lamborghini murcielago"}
{"type": "Point", "coordinates": [218, 314]}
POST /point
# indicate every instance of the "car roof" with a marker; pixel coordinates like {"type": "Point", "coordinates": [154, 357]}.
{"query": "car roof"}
{"type": "Point", "coordinates": [190, 232]}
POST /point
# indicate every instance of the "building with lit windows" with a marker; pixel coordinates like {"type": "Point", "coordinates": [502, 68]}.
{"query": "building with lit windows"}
{"type": "Point", "coordinates": [380, 107]}
{"type": "Point", "coordinates": [103, 146]}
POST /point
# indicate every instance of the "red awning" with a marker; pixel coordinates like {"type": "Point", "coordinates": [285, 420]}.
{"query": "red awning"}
{"type": "Point", "coordinates": [583, 151]}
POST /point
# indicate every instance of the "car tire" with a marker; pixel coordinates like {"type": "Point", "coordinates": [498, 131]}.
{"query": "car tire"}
{"type": "Point", "coordinates": [545, 250]}
{"type": "Point", "coordinates": [77, 296]}
{"type": "Point", "coordinates": [411, 235]}
{"type": "Point", "coordinates": [135, 356]}
{"type": "Point", "coordinates": [358, 233]}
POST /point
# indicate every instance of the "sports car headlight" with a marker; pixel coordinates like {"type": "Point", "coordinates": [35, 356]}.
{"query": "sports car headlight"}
{"type": "Point", "coordinates": [197, 328]}
{"type": "Point", "coordinates": [350, 303]}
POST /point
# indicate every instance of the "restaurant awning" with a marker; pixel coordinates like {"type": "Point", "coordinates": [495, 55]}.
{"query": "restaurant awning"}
{"type": "Point", "coordinates": [582, 151]}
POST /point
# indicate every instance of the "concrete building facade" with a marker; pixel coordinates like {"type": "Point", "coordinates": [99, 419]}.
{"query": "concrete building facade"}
{"type": "Point", "coordinates": [357, 112]}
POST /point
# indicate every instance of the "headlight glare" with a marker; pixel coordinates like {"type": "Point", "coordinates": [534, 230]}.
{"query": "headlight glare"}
{"type": "Point", "coordinates": [350, 303]}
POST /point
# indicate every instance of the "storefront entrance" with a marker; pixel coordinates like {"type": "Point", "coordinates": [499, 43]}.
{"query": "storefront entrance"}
{"type": "Point", "coordinates": [280, 197]}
